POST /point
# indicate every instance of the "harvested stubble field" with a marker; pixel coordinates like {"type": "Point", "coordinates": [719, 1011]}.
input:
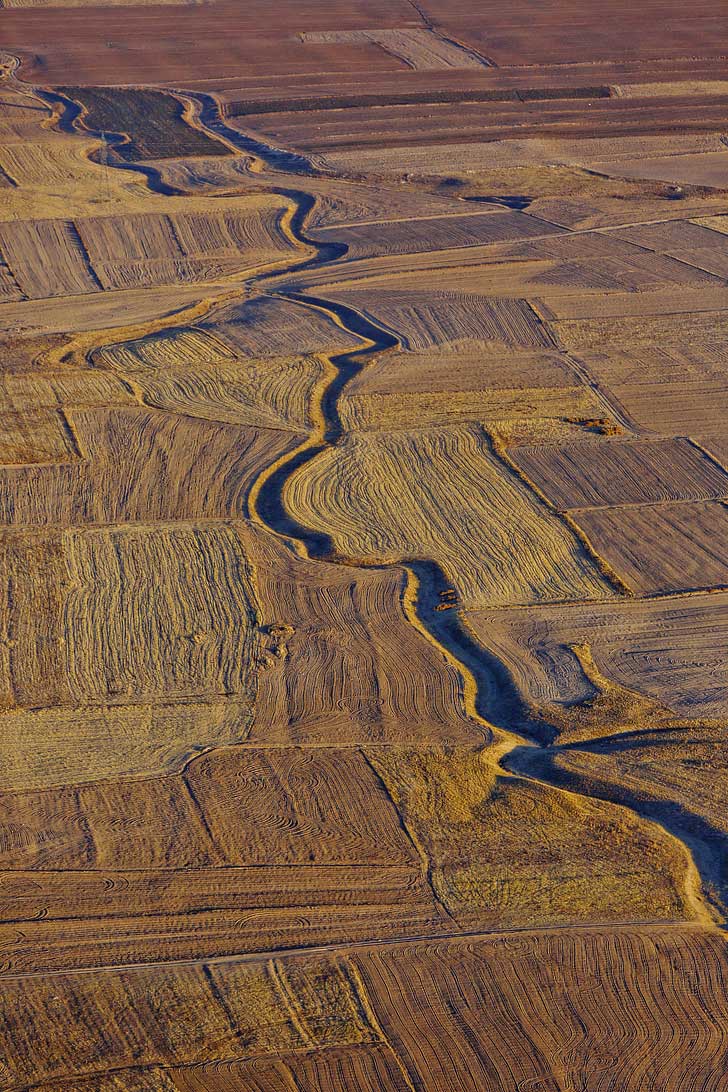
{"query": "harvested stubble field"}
{"type": "Point", "coordinates": [662, 548]}
{"type": "Point", "coordinates": [425, 320]}
{"type": "Point", "coordinates": [444, 494]}
{"type": "Point", "coordinates": [106, 253]}
{"type": "Point", "coordinates": [363, 499]}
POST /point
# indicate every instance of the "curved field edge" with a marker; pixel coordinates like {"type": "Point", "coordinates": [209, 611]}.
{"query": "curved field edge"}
{"type": "Point", "coordinates": [267, 504]}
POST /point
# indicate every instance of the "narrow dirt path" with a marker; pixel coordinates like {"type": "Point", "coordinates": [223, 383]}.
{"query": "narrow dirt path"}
{"type": "Point", "coordinates": [362, 945]}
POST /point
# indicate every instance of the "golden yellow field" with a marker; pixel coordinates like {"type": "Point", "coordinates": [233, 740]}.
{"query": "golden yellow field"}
{"type": "Point", "coordinates": [363, 589]}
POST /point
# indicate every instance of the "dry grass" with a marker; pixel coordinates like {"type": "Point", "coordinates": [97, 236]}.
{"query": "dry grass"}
{"type": "Point", "coordinates": [266, 326]}
{"type": "Point", "coordinates": [342, 659]}
{"type": "Point", "coordinates": [412, 236]}
{"type": "Point", "coordinates": [52, 173]}
{"type": "Point", "coordinates": [662, 548]}
{"type": "Point", "coordinates": [478, 383]}
{"type": "Point", "coordinates": [55, 746]}
{"type": "Point", "coordinates": [449, 319]}
{"type": "Point", "coordinates": [420, 49]}
{"type": "Point", "coordinates": [180, 1016]}
{"type": "Point", "coordinates": [666, 301]}
{"type": "Point", "coordinates": [90, 651]}
{"type": "Point", "coordinates": [93, 254]}
{"type": "Point", "coordinates": [493, 986]}
{"type": "Point", "coordinates": [707, 168]}
{"type": "Point", "coordinates": [343, 204]}
{"type": "Point", "coordinates": [665, 766]}
{"type": "Point", "coordinates": [157, 612]}
{"type": "Point", "coordinates": [29, 438]}
{"type": "Point", "coordinates": [670, 388]}
{"type": "Point", "coordinates": [298, 806]}
{"type": "Point", "coordinates": [43, 323]}
{"type": "Point", "coordinates": [250, 801]}
{"type": "Point", "coordinates": [609, 708]}
{"type": "Point", "coordinates": [643, 331]}
{"type": "Point", "coordinates": [195, 373]}
{"type": "Point", "coordinates": [482, 155]}
{"type": "Point", "coordinates": [382, 412]}
{"type": "Point", "coordinates": [442, 494]}
{"type": "Point", "coordinates": [142, 465]}
{"type": "Point", "coordinates": [153, 917]}
{"type": "Point", "coordinates": [576, 197]}
{"type": "Point", "coordinates": [505, 851]}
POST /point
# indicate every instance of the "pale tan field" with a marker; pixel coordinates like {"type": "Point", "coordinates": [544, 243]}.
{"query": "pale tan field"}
{"type": "Point", "coordinates": [106, 253]}
{"type": "Point", "coordinates": [417, 48]}
{"type": "Point", "coordinates": [669, 650]}
{"type": "Point", "coordinates": [665, 548]}
{"type": "Point", "coordinates": [196, 373]}
{"type": "Point", "coordinates": [363, 499]}
{"type": "Point", "coordinates": [530, 389]}
{"type": "Point", "coordinates": [623, 472]}
{"type": "Point", "coordinates": [474, 156]}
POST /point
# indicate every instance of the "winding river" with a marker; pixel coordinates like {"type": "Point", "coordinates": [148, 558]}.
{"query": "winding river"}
{"type": "Point", "coordinates": [495, 701]}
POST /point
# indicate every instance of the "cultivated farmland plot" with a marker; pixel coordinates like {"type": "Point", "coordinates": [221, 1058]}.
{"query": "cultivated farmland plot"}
{"type": "Point", "coordinates": [363, 582]}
